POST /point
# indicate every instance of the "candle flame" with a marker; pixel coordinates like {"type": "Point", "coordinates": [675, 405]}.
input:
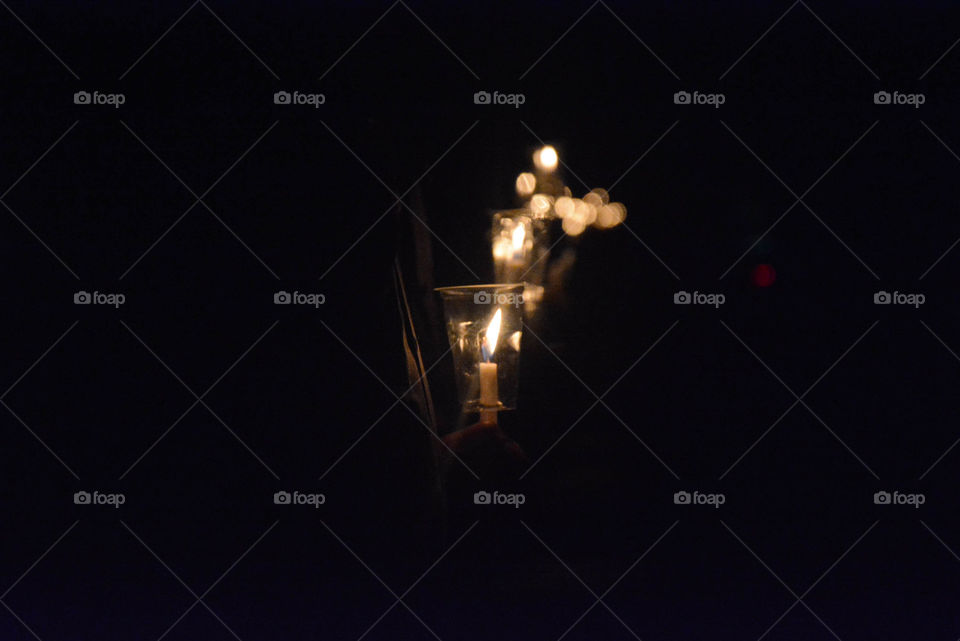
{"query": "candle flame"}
{"type": "Point", "coordinates": [493, 333]}
{"type": "Point", "coordinates": [519, 235]}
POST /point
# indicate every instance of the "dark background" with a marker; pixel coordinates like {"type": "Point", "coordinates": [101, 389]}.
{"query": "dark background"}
{"type": "Point", "coordinates": [799, 511]}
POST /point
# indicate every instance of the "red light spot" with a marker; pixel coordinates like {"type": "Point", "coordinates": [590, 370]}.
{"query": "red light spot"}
{"type": "Point", "coordinates": [764, 275]}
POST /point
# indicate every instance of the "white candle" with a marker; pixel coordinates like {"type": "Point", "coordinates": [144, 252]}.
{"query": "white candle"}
{"type": "Point", "coordinates": [489, 393]}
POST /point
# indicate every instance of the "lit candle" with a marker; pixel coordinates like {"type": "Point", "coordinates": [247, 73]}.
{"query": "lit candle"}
{"type": "Point", "coordinates": [489, 395]}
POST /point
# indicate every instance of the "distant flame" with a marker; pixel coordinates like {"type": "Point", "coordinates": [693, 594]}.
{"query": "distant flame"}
{"type": "Point", "coordinates": [491, 336]}
{"type": "Point", "coordinates": [519, 235]}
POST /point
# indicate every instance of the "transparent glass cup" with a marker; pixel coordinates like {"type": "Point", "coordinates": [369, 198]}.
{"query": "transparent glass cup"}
{"type": "Point", "coordinates": [484, 326]}
{"type": "Point", "coordinates": [521, 245]}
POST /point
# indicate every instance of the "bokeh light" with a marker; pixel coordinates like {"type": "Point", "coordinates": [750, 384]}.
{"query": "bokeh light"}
{"type": "Point", "coordinates": [526, 183]}
{"type": "Point", "coordinates": [546, 158]}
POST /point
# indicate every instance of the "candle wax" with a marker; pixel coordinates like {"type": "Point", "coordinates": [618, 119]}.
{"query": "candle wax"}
{"type": "Point", "coordinates": [489, 394]}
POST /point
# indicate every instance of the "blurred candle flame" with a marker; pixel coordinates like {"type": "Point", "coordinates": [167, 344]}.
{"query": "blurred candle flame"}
{"type": "Point", "coordinates": [518, 238]}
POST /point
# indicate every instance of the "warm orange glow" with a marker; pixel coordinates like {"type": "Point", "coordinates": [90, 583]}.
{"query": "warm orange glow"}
{"type": "Point", "coordinates": [564, 206]}
{"type": "Point", "coordinates": [526, 183]}
{"type": "Point", "coordinates": [546, 158]}
{"type": "Point", "coordinates": [518, 237]}
{"type": "Point", "coordinates": [573, 227]}
{"type": "Point", "coordinates": [540, 205]}
{"type": "Point", "coordinates": [611, 215]}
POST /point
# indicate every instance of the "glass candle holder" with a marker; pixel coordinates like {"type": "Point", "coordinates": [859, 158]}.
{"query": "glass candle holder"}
{"type": "Point", "coordinates": [520, 247]}
{"type": "Point", "coordinates": [484, 325]}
